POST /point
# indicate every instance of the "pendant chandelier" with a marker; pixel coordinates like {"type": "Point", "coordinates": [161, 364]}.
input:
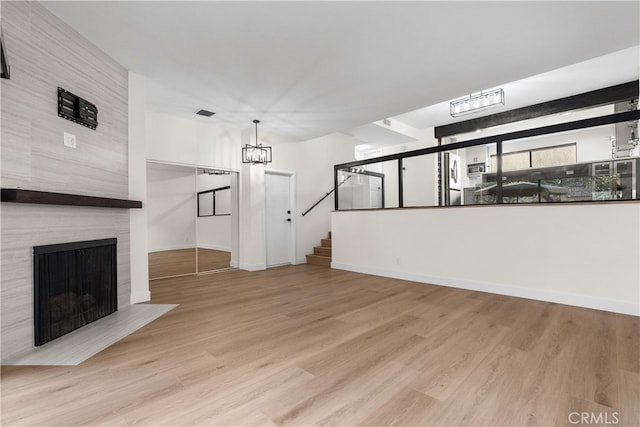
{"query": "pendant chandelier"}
{"type": "Point", "coordinates": [256, 154]}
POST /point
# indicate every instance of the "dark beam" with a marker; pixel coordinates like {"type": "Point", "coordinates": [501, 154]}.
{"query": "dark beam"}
{"type": "Point", "coordinates": [544, 130]}
{"type": "Point", "coordinates": [608, 95]}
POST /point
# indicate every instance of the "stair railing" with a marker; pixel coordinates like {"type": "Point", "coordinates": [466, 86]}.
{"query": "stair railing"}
{"type": "Point", "coordinates": [325, 196]}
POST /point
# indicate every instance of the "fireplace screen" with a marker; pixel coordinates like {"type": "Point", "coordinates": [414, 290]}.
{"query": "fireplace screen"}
{"type": "Point", "coordinates": [74, 284]}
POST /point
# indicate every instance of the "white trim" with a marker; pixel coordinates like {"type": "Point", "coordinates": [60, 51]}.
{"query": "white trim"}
{"type": "Point", "coordinates": [171, 248]}
{"type": "Point", "coordinates": [615, 306]}
{"type": "Point", "coordinates": [215, 248]}
{"type": "Point", "coordinates": [253, 267]}
{"type": "Point", "coordinates": [190, 165]}
{"type": "Point", "coordinates": [301, 260]}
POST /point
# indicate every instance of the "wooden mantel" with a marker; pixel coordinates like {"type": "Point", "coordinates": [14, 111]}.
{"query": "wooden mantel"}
{"type": "Point", "coordinates": [15, 195]}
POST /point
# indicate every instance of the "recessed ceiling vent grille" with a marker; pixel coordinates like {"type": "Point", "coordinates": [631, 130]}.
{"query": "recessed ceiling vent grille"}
{"type": "Point", "coordinates": [205, 113]}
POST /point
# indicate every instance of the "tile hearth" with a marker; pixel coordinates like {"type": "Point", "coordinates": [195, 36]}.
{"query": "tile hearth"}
{"type": "Point", "coordinates": [79, 345]}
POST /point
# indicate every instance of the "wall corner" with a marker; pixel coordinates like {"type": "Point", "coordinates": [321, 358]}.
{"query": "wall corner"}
{"type": "Point", "coordinates": [138, 189]}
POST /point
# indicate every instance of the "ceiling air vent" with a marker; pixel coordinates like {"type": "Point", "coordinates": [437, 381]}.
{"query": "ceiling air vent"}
{"type": "Point", "coordinates": [205, 113]}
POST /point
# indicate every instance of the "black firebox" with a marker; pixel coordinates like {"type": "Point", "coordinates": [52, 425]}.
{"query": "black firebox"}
{"type": "Point", "coordinates": [74, 284]}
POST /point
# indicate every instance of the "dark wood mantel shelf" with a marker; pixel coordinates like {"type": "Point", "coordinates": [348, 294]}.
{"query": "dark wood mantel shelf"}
{"type": "Point", "coordinates": [16, 195]}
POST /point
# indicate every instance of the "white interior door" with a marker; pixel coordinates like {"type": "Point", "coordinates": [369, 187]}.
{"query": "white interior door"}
{"type": "Point", "coordinates": [278, 218]}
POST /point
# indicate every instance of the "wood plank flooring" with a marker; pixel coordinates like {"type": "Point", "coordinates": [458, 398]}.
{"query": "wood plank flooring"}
{"type": "Point", "coordinates": [183, 261]}
{"type": "Point", "coordinates": [210, 259]}
{"type": "Point", "coordinates": [172, 263]}
{"type": "Point", "coordinates": [307, 345]}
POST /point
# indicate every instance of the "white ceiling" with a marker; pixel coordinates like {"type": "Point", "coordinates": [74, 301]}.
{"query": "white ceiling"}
{"type": "Point", "coordinates": [307, 69]}
{"type": "Point", "coordinates": [608, 70]}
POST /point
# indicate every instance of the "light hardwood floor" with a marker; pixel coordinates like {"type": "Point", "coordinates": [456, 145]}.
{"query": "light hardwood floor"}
{"type": "Point", "coordinates": [172, 263]}
{"type": "Point", "coordinates": [210, 259]}
{"type": "Point", "coordinates": [183, 261]}
{"type": "Point", "coordinates": [307, 345]}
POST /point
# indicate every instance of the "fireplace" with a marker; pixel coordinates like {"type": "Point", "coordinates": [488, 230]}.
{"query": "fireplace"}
{"type": "Point", "coordinates": [74, 284]}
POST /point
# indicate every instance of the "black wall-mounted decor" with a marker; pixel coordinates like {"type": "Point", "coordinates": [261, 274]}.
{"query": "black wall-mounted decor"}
{"type": "Point", "coordinates": [4, 64]}
{"type": "Point", "coordinates": [76, 109]}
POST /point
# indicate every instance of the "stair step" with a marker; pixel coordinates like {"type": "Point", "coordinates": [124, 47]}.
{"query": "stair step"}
{"type": "Point", "coordinates": [322, 251]}
{"type": "Point", "coordinates": [325, 243]}
{"type": "Point", "coordinates": [324, 261]}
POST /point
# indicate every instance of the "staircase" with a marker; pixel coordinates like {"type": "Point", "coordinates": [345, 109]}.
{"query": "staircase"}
{"type": "Point", "coordinates": [321, 254]}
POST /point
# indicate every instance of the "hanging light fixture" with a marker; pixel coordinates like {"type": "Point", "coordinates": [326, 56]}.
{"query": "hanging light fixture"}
{"type": "Point", "coordinates": [473, 103]}
{"type": "Point", "coordinates": [256, 154]}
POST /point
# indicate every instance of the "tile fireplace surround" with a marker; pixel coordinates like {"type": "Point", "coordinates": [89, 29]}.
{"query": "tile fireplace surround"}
{"type": "Point", "coordinates": [79, 345]}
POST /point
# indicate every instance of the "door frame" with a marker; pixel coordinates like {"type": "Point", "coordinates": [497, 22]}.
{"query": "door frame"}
{"type": "Point", "coordinates": [292, 201]}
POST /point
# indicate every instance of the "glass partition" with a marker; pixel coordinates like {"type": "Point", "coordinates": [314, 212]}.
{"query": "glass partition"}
{"type": "Point", "coordinates": [574, 166]}
{"type": "Point", "coordinates": [574, 156]}
{"type": "Point", "coordinates": [420, 180]}
{"type": "Point", "coordinates": [463, 173]}
{"type": "Point", "coordinates": [359, 188]}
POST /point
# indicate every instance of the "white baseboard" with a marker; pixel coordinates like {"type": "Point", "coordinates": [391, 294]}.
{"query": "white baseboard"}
{"type": "Point", "coordinates": [215, 248]}
{"type": "Point", "coordinates": [175, 248]}
{"type": "Point", "coordinates": [301, 260]}
{"type": "Point", "coordinates": [586, 301]}
{"type": "Point", "coordinates": [170, 248]}
{"type": "Point", "coordinates": [252, 267]}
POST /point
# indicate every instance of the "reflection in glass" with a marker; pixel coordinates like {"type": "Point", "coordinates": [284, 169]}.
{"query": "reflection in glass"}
{"type": "Point", "coordinates": [419, 183]}
{"type": "Point", "coordinates": [359, 188]}
{"type": "Point", "coordinates": [222, 202]}
{"type": "Point", "coordinates": [464, 176]}
{"type": "Point", "coordinates": [172, 262]}
{"type": "Point", "coordinates": [205, 203]}
{"type": "Point", "coordinates": [192, 219]}
{"type": "Point", "coordinates": [571, 166]}
{"type": "Point", "coordinates": [214, 221]}
{"type": "Point", "coordinates": [171, 220]}
{"type": "Point", "coordinates": [586, 164]}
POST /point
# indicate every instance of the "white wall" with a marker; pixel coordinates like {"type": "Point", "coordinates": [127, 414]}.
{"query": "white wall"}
{"type": "Point", "coordinates": [191, 142]}
{"type": "Point", "coordinates": [171, 207]}
{"type": "Point", "coordinates": [138, 188]}
{"type": "Point", "coordinates": [214, 232]}
{"type": "Point", "coordinates": [419, 181]}
{"type": "Point", "coordinates": [251, 224]}
{"type": "Point", "coordinates": [583, 255]}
